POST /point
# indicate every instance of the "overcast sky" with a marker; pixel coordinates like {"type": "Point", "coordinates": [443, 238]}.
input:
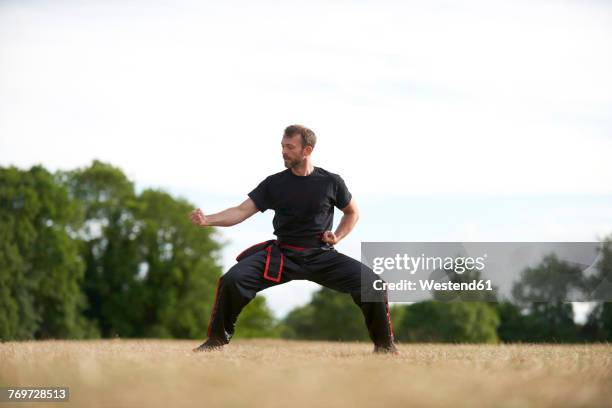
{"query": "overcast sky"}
{"type": "Point", "coordinates": [466, 121]}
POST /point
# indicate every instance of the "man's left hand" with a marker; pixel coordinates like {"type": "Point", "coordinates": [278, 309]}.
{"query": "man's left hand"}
{"type": "Point", "coordinates": [329, 238]}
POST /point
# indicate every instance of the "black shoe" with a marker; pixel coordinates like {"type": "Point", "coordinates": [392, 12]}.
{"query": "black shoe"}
{"type": "Point", "coordinates": [209, 345]}
{"type": "Point", "coordinates": [386, 350]}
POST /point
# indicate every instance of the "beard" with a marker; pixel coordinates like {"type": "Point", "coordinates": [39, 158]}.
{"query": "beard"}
{"type": "Point", "coordinates": [292, 163]}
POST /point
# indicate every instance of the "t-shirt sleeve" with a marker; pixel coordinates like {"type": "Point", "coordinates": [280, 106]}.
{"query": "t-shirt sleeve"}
{"type": "Point", "coordinates": [261, 196]}
{"type": "Point", "coordinates": [343, 195]}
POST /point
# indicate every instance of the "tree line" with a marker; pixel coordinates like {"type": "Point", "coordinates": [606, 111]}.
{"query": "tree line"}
{"type": "Point", "coordinates": [478, 316]}
{"type": "Point", "coordinates": [82, 255]}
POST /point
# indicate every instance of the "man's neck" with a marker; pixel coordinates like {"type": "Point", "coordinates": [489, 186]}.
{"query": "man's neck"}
{"type": "Point", "coordinates": [303, 170]}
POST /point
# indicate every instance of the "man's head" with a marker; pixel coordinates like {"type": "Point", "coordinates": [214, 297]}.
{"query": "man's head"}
{"type": "Point", "coordinates": [298, 143]}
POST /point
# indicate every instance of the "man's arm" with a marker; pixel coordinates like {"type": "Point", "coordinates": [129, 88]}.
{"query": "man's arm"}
{"type": "Point", "coordinates": [225, 218]}
{"type": "Point", "coordinates": [348, 221]}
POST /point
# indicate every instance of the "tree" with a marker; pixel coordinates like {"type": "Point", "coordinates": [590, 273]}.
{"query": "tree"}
{"type": "Point", "coordinates": [330, 315]}
{"type": "Point", "coordinates": [149, 271]}
{"type": "Point", "coordinates": [599, 285]}
{"type": "Point", "coordinates": [543, 292]}
{"type": "Point", "coordinates": [257, 320]}
{"type": "Point", "coordinates": [300, 324]}
{"type": "Point", "coordinates": [40, 268]}
{"type": "Point", "coordinates": [81, 254]}
{"type": "Point", "coordinates": [182, 267]}
{"type": "Point", "coordinates": [448, 322]}
{"type": "Point", "coordinates": [108, 246]}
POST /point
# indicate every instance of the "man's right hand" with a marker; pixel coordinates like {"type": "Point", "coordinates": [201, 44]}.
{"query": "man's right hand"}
{"type": "Point", "coordinates": [198, 218]}
{"type": "Point", "coordinates": [225, 218]}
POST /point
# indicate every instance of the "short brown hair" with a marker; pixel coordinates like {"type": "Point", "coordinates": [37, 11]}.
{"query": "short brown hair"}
{"type": "Point", "coordinates": [308, 136]}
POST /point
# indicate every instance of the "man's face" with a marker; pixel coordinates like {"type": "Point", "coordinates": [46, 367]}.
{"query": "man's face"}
{"type": "Point", "coordinates": [293, 152]}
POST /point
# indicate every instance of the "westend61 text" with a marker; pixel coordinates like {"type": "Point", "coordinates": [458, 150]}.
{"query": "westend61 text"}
{"type": "Point", "coordinates": [404, 284]}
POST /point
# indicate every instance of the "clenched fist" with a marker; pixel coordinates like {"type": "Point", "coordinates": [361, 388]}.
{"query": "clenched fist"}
{"type": "Point", "coordinates": [329, 237]}
{"type": "Point", "coordinates": [198, 218]}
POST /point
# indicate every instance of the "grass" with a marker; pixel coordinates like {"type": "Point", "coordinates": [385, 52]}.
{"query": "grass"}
{"type": "Point", "coordinates": [279, 373]}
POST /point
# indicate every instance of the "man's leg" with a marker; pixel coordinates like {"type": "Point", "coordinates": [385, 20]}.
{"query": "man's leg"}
{"type": "Point", "coordinates": [345, 274]}
{"type": "Point", "coordinates": [235, 289]}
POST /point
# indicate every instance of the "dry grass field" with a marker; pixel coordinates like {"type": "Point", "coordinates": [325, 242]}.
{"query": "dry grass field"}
{"type": "Point", "coordinates": [277, 373]}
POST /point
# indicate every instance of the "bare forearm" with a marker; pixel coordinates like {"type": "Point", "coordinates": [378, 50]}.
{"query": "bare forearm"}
{"type": "Point", "coordinates": [226, 218]}
{"type": "Point", "coordinates": [347, 222]}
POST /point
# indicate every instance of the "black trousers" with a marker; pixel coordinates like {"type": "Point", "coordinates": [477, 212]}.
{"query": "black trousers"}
{"type": "Point", "coordinates": [325, 266]}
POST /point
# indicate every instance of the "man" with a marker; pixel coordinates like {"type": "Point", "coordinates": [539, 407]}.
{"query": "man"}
{"type": "Point", "coordinates": [303, 197]}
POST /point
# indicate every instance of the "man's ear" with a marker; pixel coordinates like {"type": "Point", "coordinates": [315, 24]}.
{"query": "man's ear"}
{"type": "Point", "coordinates": [307, 150]}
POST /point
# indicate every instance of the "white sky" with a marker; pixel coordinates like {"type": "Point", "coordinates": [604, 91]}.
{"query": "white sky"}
{"type": "Point", "coordinates": [415, 104]}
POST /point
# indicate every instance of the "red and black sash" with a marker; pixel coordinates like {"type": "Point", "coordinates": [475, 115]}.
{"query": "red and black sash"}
{"type": "Point", "coordinates": [275, 258]}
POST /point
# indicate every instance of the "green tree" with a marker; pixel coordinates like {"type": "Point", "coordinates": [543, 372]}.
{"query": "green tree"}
{"type": "Point", "coordinates": [40, 267]}
{"type": "Point", "coordinates": [330, 315]}
{"type": "Point", "coordinates": [178, 268]}
{"type": "Point", "coordinates": [257, 320]}
{"type": "Point", "coordinates": [149, 271]}
{"type": "Point", "coordinates": [448, 322]}
{"type": "Point", "coordinates": [109, 246]}
{"type": "Point", "coordinates": [300, 324]}
{"type": "Point", "coordinates": [460, 316]}
{"type": "Point", "coordinates": [82, 255]}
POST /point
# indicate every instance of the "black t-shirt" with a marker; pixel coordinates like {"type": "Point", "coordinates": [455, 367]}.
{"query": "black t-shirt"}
{"type": "Point", "coordinates": [303, 205]}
